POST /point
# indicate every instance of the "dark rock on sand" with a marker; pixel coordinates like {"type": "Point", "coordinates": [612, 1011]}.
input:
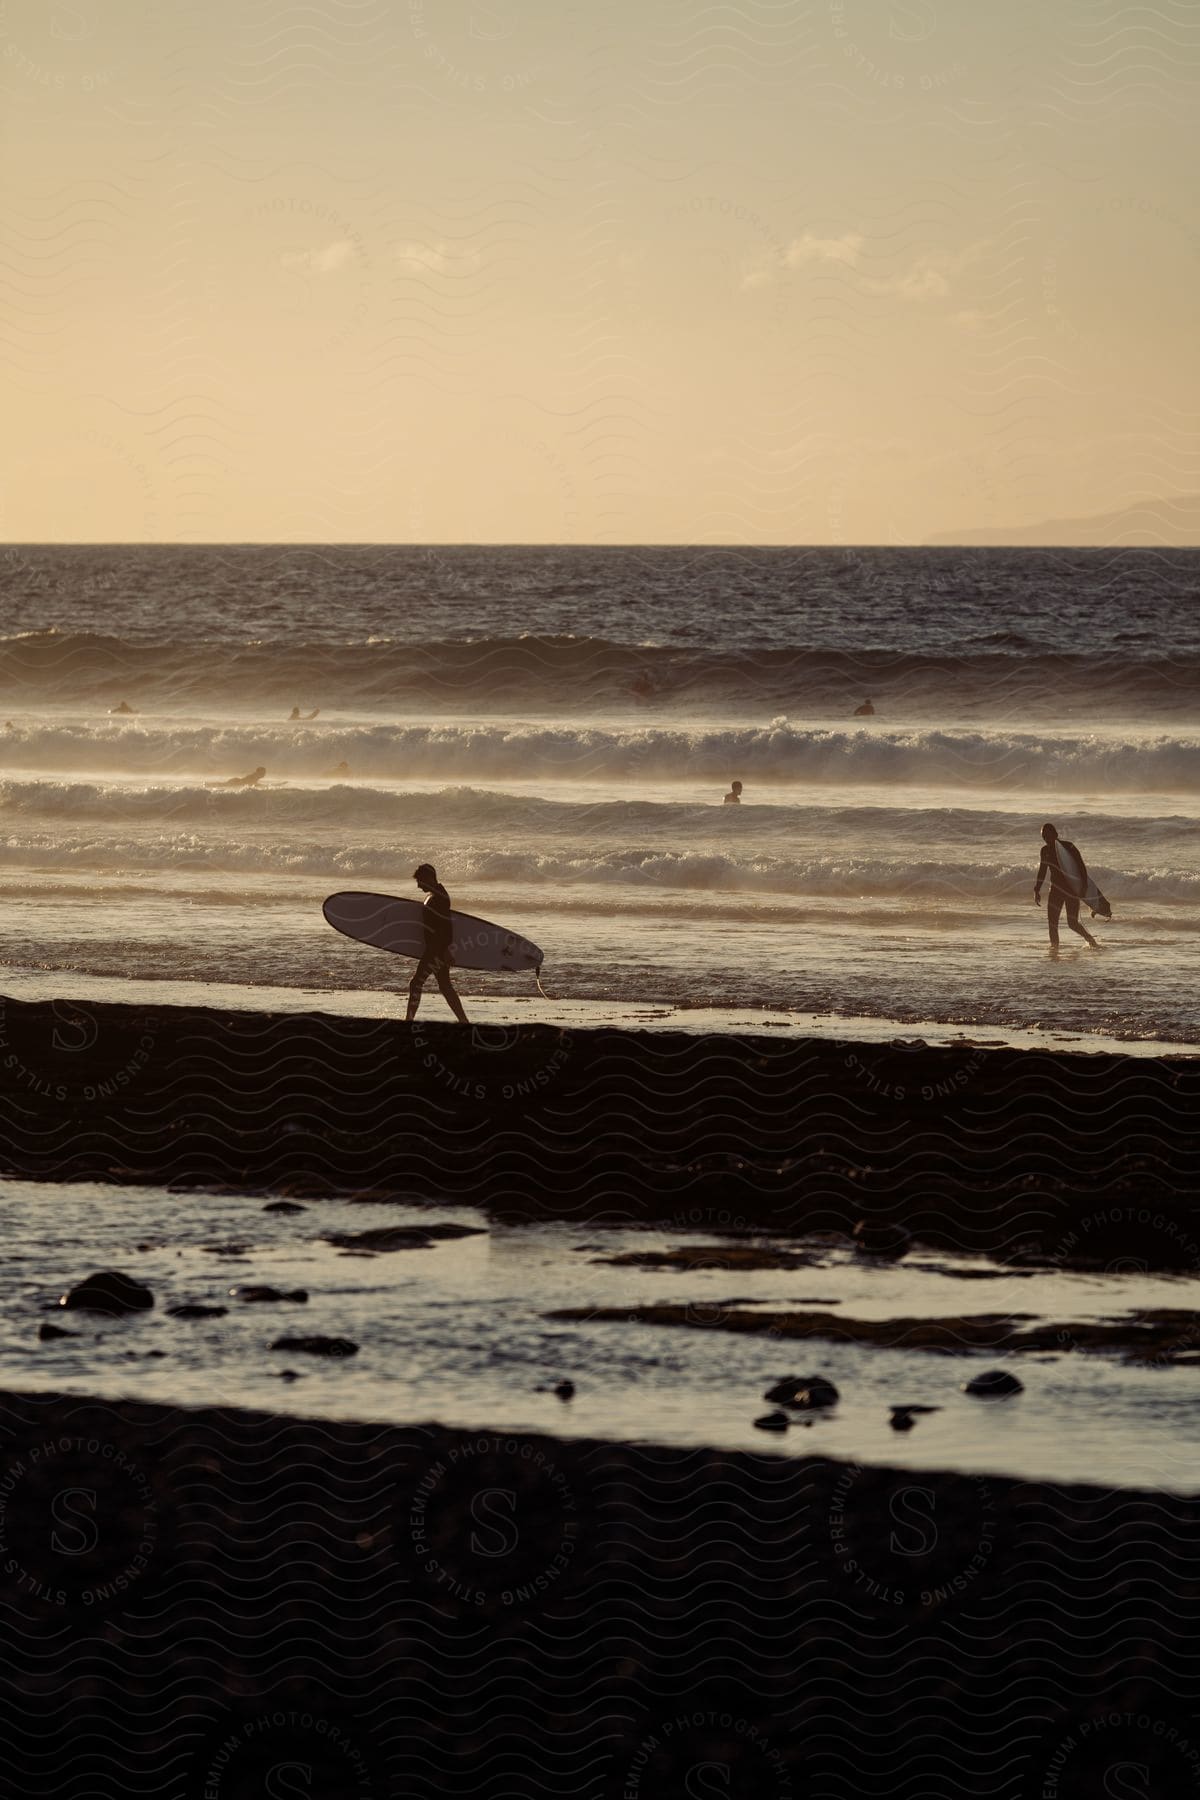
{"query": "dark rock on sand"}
{"type": "Point", "coordinates": [882, 1237]}
{"type": "Point", "coordinates": [565, 1390]}
{"type": "Point", "coordinates": [400, 1237]}
{"type": "Point", "coordinates": [317, 1346]}
{"type": "Point", "coordinates": [284, 1206]}
{"type": "Point", "coordinates": [108, 1291]}
{"type": "Point", "coordinates": [47, 1333]}
{"type": "Point", "coordinates": [804, 1392]}
{"type": "Point", "coordinates": [772, 1421]}
{"type": "Point", "coordinates": [993, 1384]}
{"type": "Point", "coordinates": [694, 1257]}
{"type": "Point", "coordinates": [191, 1311]}
{"type": "Point", "coordinates": [268, 1296]}
{"type": "Point", "coordinates": [905, 1417]}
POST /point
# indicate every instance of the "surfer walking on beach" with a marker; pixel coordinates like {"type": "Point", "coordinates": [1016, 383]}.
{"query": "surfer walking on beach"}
{"type": "Point", "coordinates": [435, 958]}
{"type": "Point", "coordinates": [1068, 884]}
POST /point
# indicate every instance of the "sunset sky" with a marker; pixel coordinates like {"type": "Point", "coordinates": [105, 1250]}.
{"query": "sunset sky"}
{"type": "Point", "coordinates": [537, 270]}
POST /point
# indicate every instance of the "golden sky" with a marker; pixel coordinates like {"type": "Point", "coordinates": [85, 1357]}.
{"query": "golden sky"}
{"type": "Point", "coordinates": [550, 271]}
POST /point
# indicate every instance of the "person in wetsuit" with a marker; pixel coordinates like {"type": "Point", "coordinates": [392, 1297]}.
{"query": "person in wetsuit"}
{"type": "Point", "coordinates": [241, 781]}
{"type": "Point", "coordinates": [1062, 891]}
{"type": "Point", "coordinates": [435, 959]}
{"type": "Point", "coordinates": [734, 796]}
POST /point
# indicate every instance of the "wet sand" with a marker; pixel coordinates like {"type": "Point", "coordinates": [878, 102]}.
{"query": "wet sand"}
{"type": "Point", "coordinates": [417, 1610]}
{"type": "Point", "coordinates": [1067, 1157]}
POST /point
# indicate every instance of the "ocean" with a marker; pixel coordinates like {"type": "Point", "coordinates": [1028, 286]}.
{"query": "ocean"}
{"type": "Point", "coordinates": [555, 728]}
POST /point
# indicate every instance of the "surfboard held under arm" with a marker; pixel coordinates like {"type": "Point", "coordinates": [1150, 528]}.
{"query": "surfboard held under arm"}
{"type": "Point", "coordinates": [1081, 882]}
{"type": "Point", "coordinates": [399, 927]}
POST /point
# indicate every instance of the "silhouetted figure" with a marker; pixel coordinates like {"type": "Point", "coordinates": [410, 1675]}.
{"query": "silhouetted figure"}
{"type": "Point", "coordinates": [242, 781]}
{"type": "Point", "coordinates": [124, 709]}
{"type": "Point", "coordinates": [435, 959]}
{"type": "Point", "coordinates": [1065, 890]}
{"type": "Point", "coordinates": [734, 796]}
{"type": "Point", "coordinates": [865, 711]}
{"type": "Point", "coordinates": [297, 714]}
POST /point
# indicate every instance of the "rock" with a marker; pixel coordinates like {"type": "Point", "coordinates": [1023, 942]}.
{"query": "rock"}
{"type": "Point", "coordinates": [108, 1291]}
{"type": "Point", "coordinates": [772, 1421]}
{"type": "Point", "coordinates": [47, 1333]}
{"type": "Point", "coordinates": [290, 1375]}
{"type": "Point", "coordinates": [993, 1384]}
{"type": "Point", "coordinates": [400, 1237]}
{"type": "Point", "coordinates": [284, 1206]}
{"type": "Point", "coordinates": [805, 1392]}
{"type": "Point", "coordinates": [268, 1295]}
{"type": "Point", "coordinates": [564, 1389]}
{"type": "Point", "coordinates": [317, 1346]}
{"type": "Point", "coordinates": [879, 1237]}
{"type": "Point", "coordinates": [189, 1311]}
{"type": "Point", "coordinates": [905, 1417]}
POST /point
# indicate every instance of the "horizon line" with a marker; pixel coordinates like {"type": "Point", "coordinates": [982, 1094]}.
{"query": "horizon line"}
{"type": "Point", "coordinates": [521, 544]}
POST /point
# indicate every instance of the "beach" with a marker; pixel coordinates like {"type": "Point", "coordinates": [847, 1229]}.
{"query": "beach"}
{"type": "Point", "coordinates": [268, 1594]}
{"type": "Point", "coordinates": [441, 1447]}
{"type": "Point", "coordinates": [972, 1147]}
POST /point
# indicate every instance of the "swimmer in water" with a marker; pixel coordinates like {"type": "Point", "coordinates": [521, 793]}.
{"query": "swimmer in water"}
{"type": "Point", "coordinates": [865, 711]}
{"type": "Point", "coordinates": [125, 709]}
{"type": "Point", "coordinates": [343, 768]}
{"type": "Point", "coordinates": [734, 796]}
{"type": "Point", "coordinates": [297, 714]}
{"type": "Point", "coordinates": [242, 781]}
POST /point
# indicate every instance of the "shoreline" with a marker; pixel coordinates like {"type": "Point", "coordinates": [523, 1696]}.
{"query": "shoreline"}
{"type": "Point", "coordinates": [977, 1148]}
{"type": "Point", "coordinates": [642, 1609]}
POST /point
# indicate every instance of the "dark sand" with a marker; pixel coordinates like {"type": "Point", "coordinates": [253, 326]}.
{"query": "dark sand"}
{"type": "Point", "coordinates": [1017, 1152]}
{"type": "Point", "coordinates": [193, 1601]}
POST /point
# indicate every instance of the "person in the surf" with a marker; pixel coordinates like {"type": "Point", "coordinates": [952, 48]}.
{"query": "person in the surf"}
{"type": "Point", "coordinates": [865, 711]}
{"type": "Point", "coordinates": [247, 781]}
{"type": "Point", "coordinates": [435, 959]}
{"type": "Point", "coordinates": [342, 768]}
{"type": "Point", "coordinates": [1062, 889]}
{"type": "Point", "coordinates": [124, 710]}
{"type": "Point", "coordinates": [734, 796]}
{"type": "Point", "coordinates": [297, 714]}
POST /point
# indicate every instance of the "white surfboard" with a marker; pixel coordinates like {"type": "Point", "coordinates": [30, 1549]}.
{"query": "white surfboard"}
{"type": "Point", "coordinates": [1083, 887]}
{"type": "Point", "coordinates": [399, 927]}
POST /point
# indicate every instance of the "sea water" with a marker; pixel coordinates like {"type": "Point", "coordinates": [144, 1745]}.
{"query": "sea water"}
{"type": "Point", "coordinates": [555, 728]}
{"type": "Point", "coordinates": [461, 1333]}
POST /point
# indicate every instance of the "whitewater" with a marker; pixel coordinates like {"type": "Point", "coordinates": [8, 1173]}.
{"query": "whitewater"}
{"type": "Point", "coordinates": [556, 730]}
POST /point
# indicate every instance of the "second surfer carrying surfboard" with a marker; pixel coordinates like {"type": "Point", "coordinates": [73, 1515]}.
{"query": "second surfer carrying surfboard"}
{"type": "Point", "coordinates": [1069, 884]}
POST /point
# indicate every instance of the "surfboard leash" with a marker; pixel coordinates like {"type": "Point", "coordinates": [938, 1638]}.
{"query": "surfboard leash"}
{"type": "Point", "coordinates": [537, 976]}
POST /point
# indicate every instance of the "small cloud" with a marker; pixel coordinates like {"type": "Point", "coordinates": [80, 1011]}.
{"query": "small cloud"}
{"type": "Point", "coordinates": [320, 262]}
{"type": "Point", "coordinates": [808, 248]}
{"type": "Point", "coordinates": [929, 278]}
